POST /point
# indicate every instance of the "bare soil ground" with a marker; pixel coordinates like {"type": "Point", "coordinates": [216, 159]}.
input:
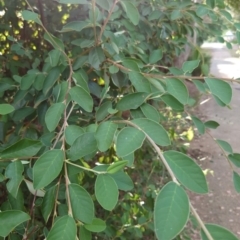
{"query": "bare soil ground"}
{"type": "Point", "coordinates": [222, 204]}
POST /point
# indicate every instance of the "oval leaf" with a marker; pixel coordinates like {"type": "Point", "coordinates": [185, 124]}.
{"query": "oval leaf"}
{"type": "Point", "coordinates": [53, 115]}
{"type": "Point", "coordinates": [72, 132]}
{"type": "Point", "coordinates": [154, 130]}
{"type": "Point", "coordinates": [225, 146]}
{"type": "Point", "coordinates": [150, 112]}
{"type": "Point", "coordinates": [177, 89]}
{"type": "Point", "coordinates": [106, 192]}
{"type": "Point", "coordinates": [104, 135]}
{"type": "Point", "coordinates": [236, 181]}
{"type": "Point", "coordinates": [131, 11]}
{"type": "Point", "coordinates": [82, 203]}
{"type": "Point", "coordinates": [47, 168]}
{"type": "Point", "coordinates": [187, 171]}
{"type": "Point", "coordinates": [97, 225]}
{"type": "Point", "coordinates": [219, 233]}
{"type": "Point", "coordinates": [6, 109]}
{"type": "Point", "coordinates": [155, 56]}
{"type": "Point", "coordinates": [11, 219]}
{"type": "Point", "coordinates": [83, 145]}
{"type": "Point", "coordinates": [131, 101]}
{"type": "Point", "coordinates": [82, 98]}
{"type": "Point", "coordinates": [172, 201]}
{"type": "Point", "coordinates": [189, 66]}
{"type": "Point", "coordinates": [235, 159]}
{"type": "Point", "coordinates": [199, 125]}
{"type": "Point", "coordinates": [129, 140]}
{"type": "Point", "coordinates": [64, 228]}
{"type": "Point", "coordinates": [22, 149]}
{"type": "Point", "coordinates": [220, 89]}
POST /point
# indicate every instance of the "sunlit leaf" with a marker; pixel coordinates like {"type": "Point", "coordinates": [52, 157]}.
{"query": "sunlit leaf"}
{"type": "Point", "coordinates": [6, 109]}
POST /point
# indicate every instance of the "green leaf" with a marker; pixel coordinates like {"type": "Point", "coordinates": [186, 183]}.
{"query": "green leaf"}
{"type": "Point", "coordinates": [220, 89]}
{"type": "Point", "coordinates": [132, 101]}
{"type": "Point", "coordinates": [6, 109]}
{"type": "Point", "coordinates": [106, 191]}
{"type": "Point", "coordinates": [53, 115]}
{"type": "Point", "coordinates": [150, 112]}
{"type": "Point", "coordinates": [172, 102]}
{"type": "Point", "coordinates": [10, 220]}
{"type": "Point", "coordinates": [177, 89]}
{"type": "Point", "coordinates": [72, 132]}
{"type": "Point", "coordinates": [189, 66]}
{"type": "Point", "coordinates": [82, 203]}
{"type": "Point", "coordinates": [27, 81]}
{"type": "Point", "coordinates": [102, 111]}
{"type": "Point", "coordinates": [235, 159]}
{"type": "Point", "coordinates": [83, 145]}
{"type": "Point", "coordinates": [117, 166]}
{"type": "Point", "coordinates": [48, 202]}
{"type": "Point", "coordinates": [123, 181]}
{"type": "Point", "coordinates": [236, 181]}
{"type": "Point", "coordinates": [155, 56]}
{"type": "Point", "coordinates": [176, 14]}
{"type": "Point", "coordinates": [21, 149]}
{"type": "Point", "coordinates": [55, 42]}
{"type": "Point", "coordinates": [219, 233]}
{"type": "Point", "coordinates": [172, 201]}
{"type": "Point", "coordinates": [47, 168]}
{"type": "Point", "coordinates": [14, 172]}
{"type": "Point", "coordinates": [131, 11]}
{"type": "Point", "coordinates": [211, 124]}
{"type": "Point", "coordinates": [84, 233]}
{"type": "Point", "coordinates": [129, 140]}
{"type": "Point", "coordinates": [77, 26]}
{"type": "Point", "coordinates": [73, 1]}
{"type": "Point", "coordinates": [82, 98]}
{"type": "Point", "coordinates": [199, 125]}
{"type": "Point", "coordinates": [54, 57]}
{"type": "Point", "coordinates": [105, 134]}
{"type": "Point", "coordinates": [140, 83]}
{"type": "Point", "coordinates": [50, 80]}
{"type": "Point", "coordinates": [30, 16]}
{"type": "Point", "coordinates": [64, 228]}
{"type": "Point", "coordinates": [154, 130]}
{"type": "Point", "coordinates": [187, 171]}
{"type": "Point", "coordinates": [97, 225]}
{"type": "Point", "coordinates": [96, 57]}
{"type": "Point", "coordinates": [225, 146]}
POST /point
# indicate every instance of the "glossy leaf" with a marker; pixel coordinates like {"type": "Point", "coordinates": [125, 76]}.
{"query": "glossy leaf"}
{"type": "Point", "coordinates": [106, 192]}
{"type": "Point", "coordinates": [131, 11]}
{"type": "Point", "coordinates": [131, 101]}
{"type": "Point", "coordinates": [22, 149]}
{"type": "Point", "coordinates": [220, 89]}
{"type": "Point", "coordinates": [97, 225]}
{"type": "Point", "coordinates": [14, 173]}
{"type": "Point", "coordinates": [83, 145]}
{"type": "Point", "coordinates": [172, 201]}
{"type": "Point", "coordinates": [225, 146]}
{"type": "Point", "coordinates": [64, 228]}
{"type": "Point", "coordinates": [218, 232]}
{"type": "Point", "coordinates": [82, 204]}
{"type": "Point", "coordinates": [154, 130]}
{"type": "Point", "coordinates": [189, 174]}
{"type": "Point", "coordinates": [189, 66]}
{"type": "Point", "coordinates": [177, 89]}
{"type": "Point", "coordinates": [199, 125]}
{"type": "Point", "coordinates": [82, 98]}
{"type": "Point", "coordinates": [116, 166]}
{"type": "Point", "coordinates": [235, 159]}
{"type": "Point", "coordinates": [53, 115]}
{"type": "Point", "coordinates": [236, 181]}
{"type": "Point", "coordinates": [6, 109]}
{"type": "Point", "coordinates": [48, 202]}
{"type": "Point", "coordinates": [129, 140]}
{"type": "Point", "coordinates": [9, 220]}
{"type": "Point", "coordinates": [104, 135]}
{"type": "Point", "coordinates": [72, 132]}
{"type": "Point", "coordinates": [47, 168]}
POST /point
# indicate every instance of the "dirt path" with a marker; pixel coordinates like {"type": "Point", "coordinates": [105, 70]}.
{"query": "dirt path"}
{"type": "Point", "coordinates": [222, 204]}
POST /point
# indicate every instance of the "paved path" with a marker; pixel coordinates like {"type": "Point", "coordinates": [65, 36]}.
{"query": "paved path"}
{"type": "Point", "coordinates": [222, 204]}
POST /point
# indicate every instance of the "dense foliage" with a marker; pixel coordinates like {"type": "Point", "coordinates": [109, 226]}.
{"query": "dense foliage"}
{"type": "Point", "coordinates": [92, 94]}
